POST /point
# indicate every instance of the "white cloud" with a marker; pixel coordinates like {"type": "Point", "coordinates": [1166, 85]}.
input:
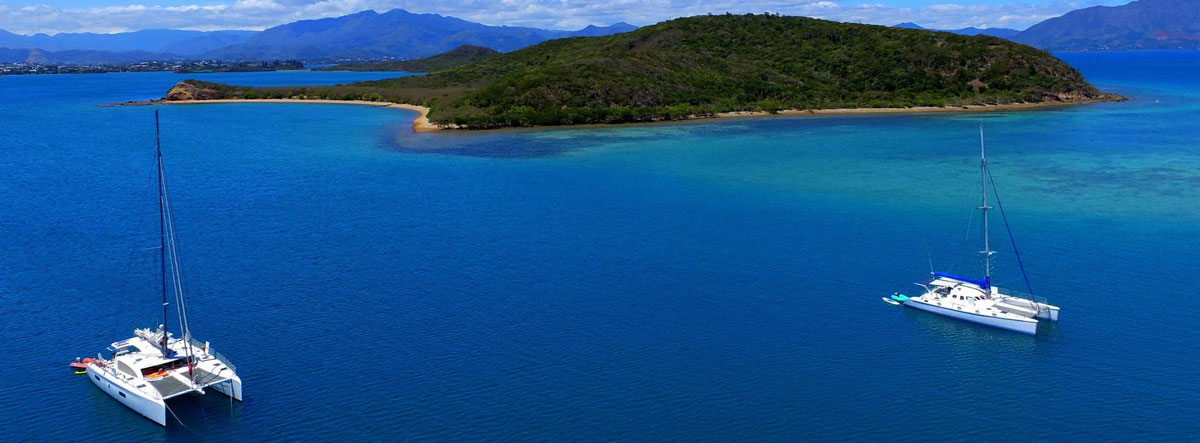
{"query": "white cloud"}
{"type": "Point", "coordinates": [557, 14]}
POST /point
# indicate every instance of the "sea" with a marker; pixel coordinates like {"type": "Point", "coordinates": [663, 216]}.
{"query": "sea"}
{"type": "Point", "coordinates": [715, 280]}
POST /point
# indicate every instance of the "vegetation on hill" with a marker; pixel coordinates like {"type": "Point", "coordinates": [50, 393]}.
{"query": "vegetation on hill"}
{"type": "Point", "coordinates": [455, 57]}
{"type": "Point", "coordinates": [704, 65]}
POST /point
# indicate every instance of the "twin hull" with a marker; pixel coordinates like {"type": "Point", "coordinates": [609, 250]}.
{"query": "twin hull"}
{"type": "Point", "coordinates": [1026, 326]}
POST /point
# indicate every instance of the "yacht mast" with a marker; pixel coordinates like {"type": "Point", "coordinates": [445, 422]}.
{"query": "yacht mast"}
{"type": "Point", "coordinates": [983, 180]}
{"type": "Point", "coordinates": [162, 235]}
{"type": "Point", "coordinates": [167, 232]}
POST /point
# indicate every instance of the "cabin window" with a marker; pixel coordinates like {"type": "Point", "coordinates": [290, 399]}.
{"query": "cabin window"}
{"type": "Point", "coordinates": [122, 394]}
{"type": "Point", "coordinates": [97, 377]}
{"type": "Point", "coordinates": [125, 368]}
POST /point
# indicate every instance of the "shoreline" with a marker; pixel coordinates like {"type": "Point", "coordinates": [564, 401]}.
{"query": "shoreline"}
{"type": "Point", "coordinates": [419, 124]}
{"type": "Point", "coordinates": [927, 109]}
{"type": "Point", "coordinates": [422, 124]}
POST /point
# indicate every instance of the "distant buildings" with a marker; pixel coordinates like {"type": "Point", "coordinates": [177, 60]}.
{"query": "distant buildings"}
{"type": "Point", "coordinates": [33, 68]}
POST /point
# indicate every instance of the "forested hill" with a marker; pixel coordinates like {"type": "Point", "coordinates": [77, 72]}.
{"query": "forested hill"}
{"type": "Point", "coordinates": [710, 64]}
{"type": "Point", "coordinates": [455, 57]}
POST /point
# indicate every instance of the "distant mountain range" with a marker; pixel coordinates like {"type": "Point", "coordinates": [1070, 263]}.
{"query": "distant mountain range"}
{"type": "Point", "coordinates": [77, 56]}
{"type": "Point", "coordinates": [1143, 24]}
{"type": "Point", "coordinates": [399, 34]}
{"type": "Point", "coordinates": [166, 41]}
{"type": "Point", "coordinates": [395, 34]}
{"type": "Point", "coordinates": [994, 32]}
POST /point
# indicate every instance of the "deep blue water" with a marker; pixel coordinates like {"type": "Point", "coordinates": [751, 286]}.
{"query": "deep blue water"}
{"type": "Point", "coordinates": [712, 280]}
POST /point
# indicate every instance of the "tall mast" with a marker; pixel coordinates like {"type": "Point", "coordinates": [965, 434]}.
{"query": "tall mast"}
{"type": "Point", "coordinates": [162, 234]}
{"type": "Point", "coordinates": [983, 180]}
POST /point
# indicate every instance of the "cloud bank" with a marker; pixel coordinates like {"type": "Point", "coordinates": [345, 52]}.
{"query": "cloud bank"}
{"type": "Point", "coordinates": [552, 14]}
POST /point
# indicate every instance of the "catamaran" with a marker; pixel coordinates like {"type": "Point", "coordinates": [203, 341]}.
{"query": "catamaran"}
{"type": "Point", "coordinates": [977, 300]}
{"type": "Point", "coordinates": [154, 366]}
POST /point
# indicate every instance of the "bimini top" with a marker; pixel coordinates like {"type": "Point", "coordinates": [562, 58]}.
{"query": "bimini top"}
{"type": "Point", "coordinates": [981, 283]}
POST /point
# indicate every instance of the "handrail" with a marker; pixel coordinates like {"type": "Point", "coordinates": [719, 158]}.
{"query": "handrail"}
{"type": "Point", "coordinates": [1019, 294]}
{"type": "Point", "coordinates": [214, 354]}
{"type": "Point", "coordinates": [223, 360]}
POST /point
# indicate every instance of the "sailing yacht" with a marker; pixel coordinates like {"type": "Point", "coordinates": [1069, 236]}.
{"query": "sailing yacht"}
{"type": "Point", "coordinates": [153, 366]}
{"type": "Point", "coordinates": [977, 300]}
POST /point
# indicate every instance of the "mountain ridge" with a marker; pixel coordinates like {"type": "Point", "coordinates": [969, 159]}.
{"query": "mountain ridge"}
{"type": "Point", "coordinates": [171, 41]}
{"type": "Point", "coordinates": [1141, 24]}
{"type": "Point", "coordinates": [407, 35]}
{"type": "Point", "coordinates": [404, 35]}
{"type": "Point", "coordinates": [76, 56]}
{"type": "Point", "coordinates": [1006, 33]}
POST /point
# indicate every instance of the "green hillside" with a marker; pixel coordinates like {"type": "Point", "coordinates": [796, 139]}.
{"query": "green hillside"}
{"type": "Point", "coordinates": [455, 57]}
{"type": "Point", "coordinates": [709, 64]}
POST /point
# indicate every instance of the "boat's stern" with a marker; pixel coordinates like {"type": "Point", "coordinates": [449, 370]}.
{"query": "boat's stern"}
{"type": "Point", "coordinates": [215, 371]}
{"type": "Point", "coordinates": [231, 387]}
{"type": "Point", "coordinates": [1048, 312]}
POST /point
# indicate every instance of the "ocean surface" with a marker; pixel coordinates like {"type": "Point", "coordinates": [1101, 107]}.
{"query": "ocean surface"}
{"type": "Point", "coordinates": [710, 280]}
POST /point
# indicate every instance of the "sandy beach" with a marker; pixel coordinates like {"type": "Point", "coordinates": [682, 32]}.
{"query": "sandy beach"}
{"type": "Point", "coordinates": [419, 124]}
{"type": "Point", "coordinates": [422, 123]}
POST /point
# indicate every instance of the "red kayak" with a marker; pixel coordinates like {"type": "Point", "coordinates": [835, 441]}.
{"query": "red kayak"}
{"type": "Point", "coordinates": [82, 364]}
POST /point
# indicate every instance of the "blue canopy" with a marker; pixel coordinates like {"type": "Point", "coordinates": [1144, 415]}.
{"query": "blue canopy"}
{"type": "Point", "coordinates": [985, 284]}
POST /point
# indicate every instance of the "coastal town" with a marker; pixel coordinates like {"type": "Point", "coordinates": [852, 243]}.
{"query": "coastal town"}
{"type": "Point", "coordinates": [177, 66]}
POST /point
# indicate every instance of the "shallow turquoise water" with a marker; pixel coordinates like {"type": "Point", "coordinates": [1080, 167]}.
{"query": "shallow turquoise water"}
{"type": "Point", "coordinates": [704, 280]}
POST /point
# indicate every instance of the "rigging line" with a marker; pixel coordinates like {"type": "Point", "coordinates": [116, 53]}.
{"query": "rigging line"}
{"type": "Point", "coordinates": [929, 256]}
{"type": "Point", "coordinates": [188, 428]}
{"type": "Point", "coordinates": [173, 415]}
{"type": "Point", "coordinates": [1011, 239]}
{"type": "Point", "coordinates": [966, 239]}
{"type": "Point", "coordinates": [173, 258]}
{"type": "Point", "coordinates": [176, 269]}
{"type": "Point", "coordinates": [177, 278]}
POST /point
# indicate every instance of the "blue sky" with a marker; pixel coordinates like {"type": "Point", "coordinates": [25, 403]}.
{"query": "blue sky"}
{"type": "Point", "coordinates": [54, 16]}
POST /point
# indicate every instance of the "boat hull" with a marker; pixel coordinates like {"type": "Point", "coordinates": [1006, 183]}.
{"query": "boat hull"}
{"type": "Point", "coordinates": [231, 387]}
{"type": "Point", "coordinates": [1022, 326]}
{"type": "Point", "coordinates": [151, 408]}
{"type": "Point", "coordinates": [1049, 314]}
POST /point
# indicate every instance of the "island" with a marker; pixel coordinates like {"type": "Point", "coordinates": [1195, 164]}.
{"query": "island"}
{"type": "Point", "coordinates": [455, 57]}
{"type": "Point", "coordinates": [709, 66]}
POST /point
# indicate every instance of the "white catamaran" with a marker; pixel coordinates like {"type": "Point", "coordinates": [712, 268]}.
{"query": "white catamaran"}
{"type": "Point", "coordinates": [978, 301]}
{"type": "Point", "coordinates": [152, 367]}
